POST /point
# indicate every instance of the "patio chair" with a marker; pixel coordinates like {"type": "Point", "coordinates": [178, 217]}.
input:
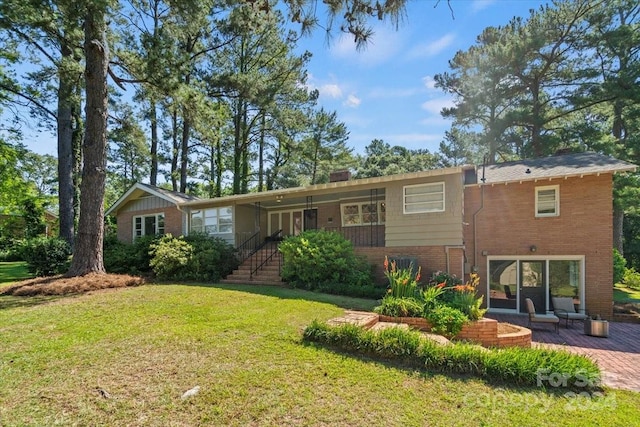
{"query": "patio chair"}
{"type": "Point", "coordinates": [541, 318]}
{"type": "Point", "coordinates": [564, 308]}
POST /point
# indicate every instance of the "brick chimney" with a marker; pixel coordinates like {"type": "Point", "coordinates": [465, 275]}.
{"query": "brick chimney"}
{"type": "Point", "coordinates": [338, 176]}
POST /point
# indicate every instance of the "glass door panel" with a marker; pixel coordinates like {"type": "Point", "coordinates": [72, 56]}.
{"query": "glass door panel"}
{"type": "Point", "coordinates": [503, 284]}
{"type": "Point", "coordinates": [532, 285]}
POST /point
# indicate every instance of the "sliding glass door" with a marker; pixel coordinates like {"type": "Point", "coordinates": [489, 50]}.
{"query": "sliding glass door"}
{"type": "Point", "coordinates": [513, 279]}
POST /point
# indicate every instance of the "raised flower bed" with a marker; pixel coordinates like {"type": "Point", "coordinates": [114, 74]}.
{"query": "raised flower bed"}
{"type": "Point", "coordinates": [483, 331]}
{"type": "Point", "coordinates": [444, 306]}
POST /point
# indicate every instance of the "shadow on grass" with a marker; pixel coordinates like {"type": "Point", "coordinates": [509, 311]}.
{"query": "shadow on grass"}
{"type": "Point", "coordinates": [9, 301]}
{"type": "Point", "coordinates": [348, 303]}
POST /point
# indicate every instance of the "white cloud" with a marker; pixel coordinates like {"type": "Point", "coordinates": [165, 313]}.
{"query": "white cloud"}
{"type": "Point", "coordinates": [429, 82]}
{"type": "Point", "coordinates": [352, 101]}
{"type": "Point", "coordinates": [383, 45]}
{"type": "Point", "coordinates": [434, 106]}
{"type": "Point", "coordinates": [331, 90]}
{"type": "Point", "coordinates": [478, 5]}
{"type": "Point", "coordinates": [433, 48]}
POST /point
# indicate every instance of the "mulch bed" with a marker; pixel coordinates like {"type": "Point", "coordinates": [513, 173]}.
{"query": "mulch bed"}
{"type": "Point", "coordinates": [60, 285]}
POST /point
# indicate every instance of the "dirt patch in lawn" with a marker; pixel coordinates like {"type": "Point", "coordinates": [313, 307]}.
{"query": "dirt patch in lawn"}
{"type": "Point", "coordinates": [60, 285]}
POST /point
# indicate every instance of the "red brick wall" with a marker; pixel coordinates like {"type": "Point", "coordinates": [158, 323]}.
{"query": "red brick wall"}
{"type": "Point", "coordinates": [172, 222]}
{"type": "Point", "coordinates": [507, 225]}
{"type": "Point", "coordinates": [430, 258]}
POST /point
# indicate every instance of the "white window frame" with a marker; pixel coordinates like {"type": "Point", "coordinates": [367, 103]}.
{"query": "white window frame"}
{"type": "Point", "coordinates": [556, 208]}
{"type": "Point", "coordinates": [213, 215]}
{"type": "Point", "coordinates": [380, 206]}
{"type": "Point", "coordinates": [158, 229]}
{"type": "Point", "coordinates": [427, 186]}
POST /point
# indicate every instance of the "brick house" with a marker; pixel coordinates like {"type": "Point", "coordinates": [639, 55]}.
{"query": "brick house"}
{"type": "Point", "coordinates": [532, 228]}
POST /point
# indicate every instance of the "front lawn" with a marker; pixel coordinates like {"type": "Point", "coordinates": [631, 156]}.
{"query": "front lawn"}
{"type": "Point", "coordinates": [126, 356]}
{"type": "Point", "coordinates": [13, 271]}
{"type": "Point", "coordinates": [623, 294]}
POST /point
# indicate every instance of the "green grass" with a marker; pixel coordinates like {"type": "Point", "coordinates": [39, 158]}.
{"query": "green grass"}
{"type": "Point", "coordinates": [242, 345]}
{"type": "Point", "coordinates": [624, 294]}
{"type": "Point", "coordinates": [13, 272]}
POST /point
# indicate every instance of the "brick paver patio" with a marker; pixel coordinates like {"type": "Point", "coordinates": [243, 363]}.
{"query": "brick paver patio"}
{"type": "Point", "coordinates": [618, 355]}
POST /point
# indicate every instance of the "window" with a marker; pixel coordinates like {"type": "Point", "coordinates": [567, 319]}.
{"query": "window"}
{"type": "Point", "coordinates": [548, 201]}
{"type": "Point", "coordinates": [148, 225]}
{"type": "Point", "coordinates": [424, 198]}
{"type": "Point", "coordinates": [212, 221]}
{"type": "Point", "coordinates": [358, 213]}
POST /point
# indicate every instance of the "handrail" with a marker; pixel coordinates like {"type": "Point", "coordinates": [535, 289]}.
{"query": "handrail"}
{"type": "Point", "coordinates": [249, 246]}
{"type": "Point", "coordinates": [264, 258]}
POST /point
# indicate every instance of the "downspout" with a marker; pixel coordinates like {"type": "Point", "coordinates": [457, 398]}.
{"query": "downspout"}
{"type": "Point", "coordinates": [475, 217]}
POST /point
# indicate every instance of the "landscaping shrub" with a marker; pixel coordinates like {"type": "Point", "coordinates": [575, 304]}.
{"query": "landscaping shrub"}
{"type": "Point", "coordinates": [46, 256]}
{"type": "Point", "coordinates": [632, 279]}
{"type": "Point", "coordinates": [170, 257]}
{"type": "Point", "coordinates": [464, 298]}
{"type": "Point", "coordinates": [128, 258]}
{"type": "Point", "coordinates": [212, 258]}
{"type": "Point", "coordinates": [324, 260]}
{"type": "Point", "coordinates": [195, 257]}
{"type": "Point", "coordinates": [514, 365]}
{"type": "Point", "coordinates": [10, 249]}
{"type": "Point", "coordinates": [446, 320]}
{"type": "Point", "coordinates": [400, 307]}
{"type": "Point", "coordinates": [619, 267]}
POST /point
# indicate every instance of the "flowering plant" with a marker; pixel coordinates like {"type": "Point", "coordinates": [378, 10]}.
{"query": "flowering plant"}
{"type": "Point", "coordinates": [402, 282]}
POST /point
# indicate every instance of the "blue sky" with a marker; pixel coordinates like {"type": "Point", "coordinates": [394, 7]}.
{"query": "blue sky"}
{"type": "Point", "coordinates": [387, 91]}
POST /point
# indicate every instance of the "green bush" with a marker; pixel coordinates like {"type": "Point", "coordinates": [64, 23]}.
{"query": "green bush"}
{"type": "Point", "coordinates": [446, 320]}
{"type": "Point", "coordinates": [632, 279]}
{"type": "Point", "coordinates": [10, 249]}
{"type": "Point", "coordinates": [212, 259]}
{"type": "Point", "coordinates": [400, 307]}
{"type": "Point", "coordinates": [46, 256]}
{"type": "Point", "coordinates": [169, 257]}
{"type": "Point", "coordinates": [319, 259]}
{"type": "Point", "coordinates": [128, 258]}
{"type": "Point", "coordinates": [514, 365]}
{"type": "Point", "coordinates": [619, 267]}
{"type": "Point", "coordinates": [371, 291]}
{"type": "Point", "coordinates": [195, 257]}
{"type": "Point", "coordinates": [469, 304]}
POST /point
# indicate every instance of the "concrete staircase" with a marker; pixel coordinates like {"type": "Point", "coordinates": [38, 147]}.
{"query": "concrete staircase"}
{"type": "Point", "coordinates": [268, 274]}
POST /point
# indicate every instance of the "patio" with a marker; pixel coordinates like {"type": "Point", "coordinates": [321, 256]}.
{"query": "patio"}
{"type": "Point", "coordinates": [618, 355]}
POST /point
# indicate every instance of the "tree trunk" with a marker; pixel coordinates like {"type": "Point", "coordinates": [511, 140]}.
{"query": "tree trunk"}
{"type": "Point", "coordinates": [184, 149]}
{"type": "Point", "coordinates": [88, 248]}
{"type": "Point", "coordinates": [618, 229]}
{"type": "Point", "coordinates": [174, 150]}
{"type": "Point", "coordinates": [65, 155]}
{"type": "Point", "coordinates": [153, 118]}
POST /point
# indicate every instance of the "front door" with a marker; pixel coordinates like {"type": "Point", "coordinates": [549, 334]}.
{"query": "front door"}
{"type": "Point", "coordinates": [290, 222]}
{"type": "Point", "coordinates": [533, 285]}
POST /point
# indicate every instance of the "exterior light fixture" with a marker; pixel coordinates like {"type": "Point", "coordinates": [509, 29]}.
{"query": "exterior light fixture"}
{"type": "Point", "coordinates": [533, 248]}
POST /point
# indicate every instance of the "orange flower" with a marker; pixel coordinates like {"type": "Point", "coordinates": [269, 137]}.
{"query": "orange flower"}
{"type": "Point", "coordinates": [386, 264]}
{"type": "Point", "coordinates": [441, 285]}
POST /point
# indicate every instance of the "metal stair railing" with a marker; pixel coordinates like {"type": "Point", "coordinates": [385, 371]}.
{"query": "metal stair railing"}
{"type": "Point", "coordinates": [249, 247]}
{"type": "Point", "coordinates": [265, 253]}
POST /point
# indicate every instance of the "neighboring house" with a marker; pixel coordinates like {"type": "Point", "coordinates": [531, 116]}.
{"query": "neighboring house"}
{"type": "Point", "coordinates": [12, 223]}
{"type": "Point", "coordinates": [532, 228]}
